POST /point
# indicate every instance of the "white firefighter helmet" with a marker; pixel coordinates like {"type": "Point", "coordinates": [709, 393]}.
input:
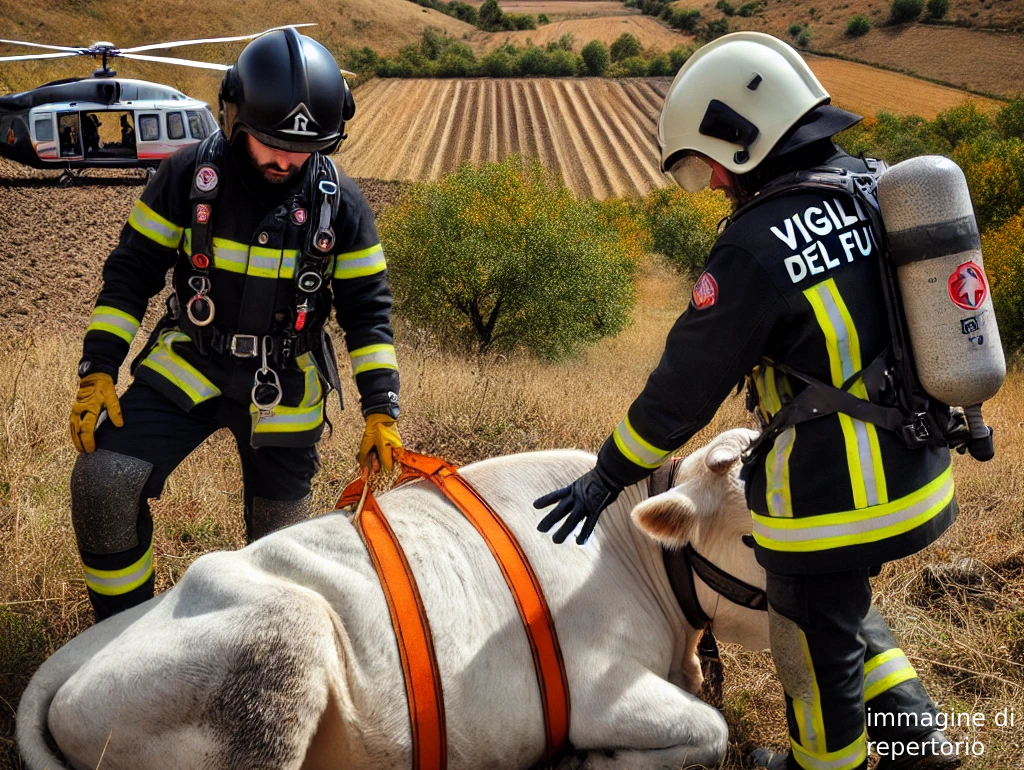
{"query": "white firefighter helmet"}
{"type": "Point", "coordinates": [732, 101]}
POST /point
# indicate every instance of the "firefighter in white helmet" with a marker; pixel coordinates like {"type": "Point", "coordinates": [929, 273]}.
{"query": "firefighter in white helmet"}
{"type": "Point", "coordinates": [792, 295]}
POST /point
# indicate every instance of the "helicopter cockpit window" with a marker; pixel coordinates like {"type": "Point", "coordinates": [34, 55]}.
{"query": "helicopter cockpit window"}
{"type": "Point", "coordinates": [44, 130]}
{"type": "Point", "coordinates": [149, 128]}
{"type": "Point", "coordinates": [195, 125]}
{"type": "Point", "coordinates": [175, 126]}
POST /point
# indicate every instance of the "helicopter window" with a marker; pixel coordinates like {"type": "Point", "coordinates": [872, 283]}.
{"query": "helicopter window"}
{"type": "Point", "coordinates": [44, 130]}
{"type": "Point", "coordinates": [149, 128]}
{"type": "Point", "coordinates": [195, 125]}
{"type": "Point", "coordinates": [175, 126]}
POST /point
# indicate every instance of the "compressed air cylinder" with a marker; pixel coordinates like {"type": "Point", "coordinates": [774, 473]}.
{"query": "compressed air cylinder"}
{"type": "Point", "coordinates": [934, 243]}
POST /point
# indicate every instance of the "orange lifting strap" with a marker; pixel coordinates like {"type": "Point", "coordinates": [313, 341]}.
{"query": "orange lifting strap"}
{"type": "Point", "coordinates": [412, 629]}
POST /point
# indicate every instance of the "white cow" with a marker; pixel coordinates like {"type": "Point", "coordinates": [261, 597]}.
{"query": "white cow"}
{"type": "Point", "coordinates": [282, 655]}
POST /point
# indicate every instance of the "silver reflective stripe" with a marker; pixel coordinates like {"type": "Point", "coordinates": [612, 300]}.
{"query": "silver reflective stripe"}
{"type": "Point", "coordinates": [897, 664]}
{"type": "Point", "coordinates": [373, 357]}
{"type": "Point", "coordinates": [844, 759]}
{"type": "Point", "coordinates": [231, 256]}
{"type": "Point", "coordinates": [180, 373]}
{"type": "Point", "coordinates": [869, 524]}
{"type": "Point", "coordinates": [264, 264]}
{"type": "Point", "coordinates": [867, 464]}
{"type": "Point", "coordinates": [635, 449]}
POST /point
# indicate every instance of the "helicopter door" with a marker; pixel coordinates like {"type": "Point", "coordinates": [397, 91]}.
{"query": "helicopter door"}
{"type": "Point", "coordinates": [69, 135]}
{"type": "Point", "coordinates": [43, 135]}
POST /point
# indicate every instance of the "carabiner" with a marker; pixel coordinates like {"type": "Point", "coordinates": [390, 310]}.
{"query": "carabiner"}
{"type": "Point", "coordinates": [260, 389]}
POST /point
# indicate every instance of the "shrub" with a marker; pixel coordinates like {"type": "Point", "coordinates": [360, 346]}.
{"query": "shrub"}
{"type": "Point", "coordinates": [595, 58]}
{"type": "Point", "coordinates": [633, 67]}
{"type": "Point", "coordinates": [626, 46]}
{"type": "Point", "coordinates": [795, 29]}
{"type": "Point", "coordinates": [564, 64]}
{"type": "Point", "coordinates": [890, 137]}
{"type": "Point", "coordinates": [678, 56]}
{"type": "Point", "coordinates": [805, 38]}
{"type": "Point", "coordinates": [518, 21]}
{"type": "Point", "coordinates": [684, 226]}
{"type": "Point", "coordinates": [903, 11]}
{"type": "Point", "coordinates": [1002, 249]}
{"type": "Point", "coordinates": [858, 25]}
{"type": "Point", "coordinates": [714, 29]}
{"type": "Point", "coordinates": [725, 7]}
{"type": "Point", "coordinates": [995, 174]}
{"type": "Point", "coordinates": [464, 12]}
{"type": "Point", "coordinates": [957, 125]}
{"type": "Point", "coordinates": [498, 64]}
{"type": "Point", "coordinates": [542, 18]}
{"type": "Point", "coordinates": [504, 256]}
{"type": "Point", "coordinates": [533, 61]}
{"type": "Point", "coordinates": [490, 14]}
{"type": "Point", "coordinates": [685, 20]}
{"type": "Point", "coordinates": [1010, 119]}
{"type": "Point", "coordinates": [659, 66]}
{"type": "Point", "coordinates": [937, 9]}
{"type": "Point", "coordinates": [748, 9]}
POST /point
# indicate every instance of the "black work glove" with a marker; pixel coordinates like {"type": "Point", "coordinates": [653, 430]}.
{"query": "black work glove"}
{"type": "Point", "coordinates": [584, 499]}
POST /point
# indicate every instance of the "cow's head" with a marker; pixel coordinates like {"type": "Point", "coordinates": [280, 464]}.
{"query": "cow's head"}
{"type": "Point", "coordinates": [706, 507]}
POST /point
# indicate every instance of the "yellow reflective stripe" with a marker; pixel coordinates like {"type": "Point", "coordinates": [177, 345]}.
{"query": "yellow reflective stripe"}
{"type": "Point", "coordinates": [863, 454]}
{"type": "Point", "coordinates": [173, 367]}
{"type": "Point", "coordinates": [120, 581]}
{"type": "Point", "coordinates": [231, 256]}
{"type": "Point", "coordinates": [288, 419]}
{"type": "Point", "coordinates": [150, 224]}
{"type": "Point", "coordinates": [814, 737]}
{"type": "Point", "coordinates": [866, 525]}
{"type": "Point", "coordinates": [355, 264]}
{"type": "Point", "coordinates": [313, 391]}
{"type": "Point", "coordinates": [885, 671]}
{"type": "Point", "coordinates": [114, 321]}
{"type": "Point", "coordinates": [372, 357]}
{"type": "Point", "coordinates": [264, 263]}
{"type": "Point", "coordinates": [843, 759]}
{"type": "Point", "coordinates": [635, 448]}
{"type": "Point", "coordinates": [288, 260]}
{"type": "Point", "coordinates": [778, 493]}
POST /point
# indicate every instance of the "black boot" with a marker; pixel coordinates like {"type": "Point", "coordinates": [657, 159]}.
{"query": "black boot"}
{"type": "Point", "coordinates": [927, 756]}
{"type": "Point", "coordinates": [768, 759]}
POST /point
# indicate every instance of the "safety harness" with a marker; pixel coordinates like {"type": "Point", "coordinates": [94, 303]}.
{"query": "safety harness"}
{"type": "Point", "coordinates": [260, 333]}
{"type": "Point", "coordinates": [412, 627]}
{"type": "Point", "coordinates": [896, 400]}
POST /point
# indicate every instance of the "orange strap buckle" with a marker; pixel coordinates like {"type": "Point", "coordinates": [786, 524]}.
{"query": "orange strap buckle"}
{"type": "Point", "coordinates": [412, 628]}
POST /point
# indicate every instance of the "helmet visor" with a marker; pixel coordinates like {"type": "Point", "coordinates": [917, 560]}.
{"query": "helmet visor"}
{"type": "Point", "coordinates": [691, 173]}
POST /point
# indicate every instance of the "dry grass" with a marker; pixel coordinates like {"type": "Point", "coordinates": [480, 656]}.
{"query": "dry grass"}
{"type": "Point", "coordinates": [650, 32]}
{"type": "Point", "coordinates": [966, 634]}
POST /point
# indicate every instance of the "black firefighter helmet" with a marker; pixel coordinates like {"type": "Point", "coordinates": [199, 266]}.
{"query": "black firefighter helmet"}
{"type": "Point", "coordinates": [287, 91]}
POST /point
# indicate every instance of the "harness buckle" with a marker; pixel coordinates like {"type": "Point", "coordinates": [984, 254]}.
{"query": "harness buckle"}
{"type": "Point", "coordinates": [244, 346]}
{"type": "Point", "coordinates": [915, 430]}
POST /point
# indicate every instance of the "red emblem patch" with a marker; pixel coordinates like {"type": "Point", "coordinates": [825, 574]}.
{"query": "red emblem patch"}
{"type": "Point", "coordinates": [299, 216]}
{"type": "Point", "coordinates": [705, 291]}
{"type": "Point", "coordinates": [206, 178]}
{"type": "Point", "coordinates": [967, 286]}
{"type": "Point", "coordinates": [202, 213]}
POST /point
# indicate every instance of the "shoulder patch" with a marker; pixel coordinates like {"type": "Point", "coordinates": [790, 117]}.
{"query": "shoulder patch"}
{"type": "Point", "coordinates": [705, 291]}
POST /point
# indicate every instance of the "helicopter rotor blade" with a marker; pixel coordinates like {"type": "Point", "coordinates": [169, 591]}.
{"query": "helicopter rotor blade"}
{"type": "Point", "coordinates": [209, 65]}
{"type": "Point", "coordinates": [158, 46]}
{"type": "Point", "coordinates": [40, 45]}
{"type": "Point", "coordinates": [30, 56]}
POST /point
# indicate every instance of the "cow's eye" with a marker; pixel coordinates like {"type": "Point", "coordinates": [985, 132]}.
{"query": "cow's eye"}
{"type": "Point", "coordinates": [748, 541]}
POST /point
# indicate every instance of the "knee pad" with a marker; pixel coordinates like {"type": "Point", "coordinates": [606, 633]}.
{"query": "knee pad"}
{"type": "Point", "coordinates": [105, 492]}
{"type": "Point", "coordinates": [790, 659]}
{"type": "Point", "coordinates": [269, 515]}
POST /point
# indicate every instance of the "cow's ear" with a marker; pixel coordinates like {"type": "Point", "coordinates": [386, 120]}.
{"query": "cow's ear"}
{"type": "Point", "coordinates": [669, 517]}
{"type": "Point", "coordinates": [721, 459]}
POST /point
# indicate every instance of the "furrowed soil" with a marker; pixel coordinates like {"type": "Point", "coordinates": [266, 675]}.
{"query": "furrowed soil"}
{"type": "Point", "coordinates": [955, 608]}
{"type": "Point", "coordinates": [650, 32]}
{"type": "Point", "coordinates": [598, 134]}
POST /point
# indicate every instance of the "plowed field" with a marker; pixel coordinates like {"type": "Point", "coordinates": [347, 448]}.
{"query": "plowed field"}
{"type": "Point", "coordinates": [647, 30]}
{"type": "Point", "coordinates": [598, 134]}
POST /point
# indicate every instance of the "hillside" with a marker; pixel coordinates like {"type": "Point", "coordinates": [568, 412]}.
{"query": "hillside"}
{"type": "Point", "coordinates": [985, 52]}
{"type": "Point", "coordinates": [649, 31]}
{"type": "Point", "coordinates": [386, 25]}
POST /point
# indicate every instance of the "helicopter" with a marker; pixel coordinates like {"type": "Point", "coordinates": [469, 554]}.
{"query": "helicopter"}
{"type": "Point", "coordinates": [59, 125]}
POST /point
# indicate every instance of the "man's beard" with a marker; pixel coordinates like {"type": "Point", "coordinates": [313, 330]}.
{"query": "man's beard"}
{"type": "Point", "coordinates": [266, 170]}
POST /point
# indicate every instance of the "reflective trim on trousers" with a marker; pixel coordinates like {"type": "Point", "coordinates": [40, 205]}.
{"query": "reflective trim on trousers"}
{"type": "Point", "coordinates": [637, 450]}
{"type": "Point", "coordinates": [308, 415]}
{"type": "Point", "coordinates": [113, 321]}
{"type": "Point", "coordinates": [371, 357]}
{"type": "Point", "coordinates": [120, 581]}
{"type": "Point", "coordinates": [147, 222]}
{"type": "Point", "coordinates": [885, 671]}
{"type": "Point", "coordinates": [356, 264]}
{"type": "Point", "coordinates": [867, 475]}
{"type": "Point", "coordinates": [866, 525]}
{"type": "Point", "coordinates": [173, 367]}
{"type": "Point", "coordinates": [844, 759]}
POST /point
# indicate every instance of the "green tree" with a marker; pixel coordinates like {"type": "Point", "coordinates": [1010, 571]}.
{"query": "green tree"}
{"type": "Point", "coordinates": [491, 15]}
{"type": "Point", "coordinates": [596, 58]}
{"type": "Point", "coordinates": [625, 46]}
{"type": "Point", "coordinates": [1010, 119]}
{"type": "Point", "coordinates": [858, 25]}
{"type": "Point", "coordinates": [937, 9]}
{"type": "Point", "coordinates": [504, 256]}
{"type": "Point", "coordinates": [903, 11]}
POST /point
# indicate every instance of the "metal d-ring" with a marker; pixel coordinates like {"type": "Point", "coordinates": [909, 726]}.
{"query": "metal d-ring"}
{"type": "Point", "coordinates": [200, 322]}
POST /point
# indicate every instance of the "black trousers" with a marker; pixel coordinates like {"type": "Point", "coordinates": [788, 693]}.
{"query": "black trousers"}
{"type": "Point", "coordinates": [276, 481]}
{"type": "Point", "coordinates": [845, 678]}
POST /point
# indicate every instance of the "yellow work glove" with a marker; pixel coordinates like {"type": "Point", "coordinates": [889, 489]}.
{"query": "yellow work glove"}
{"type": "Point", "coordinates": [95, 393]}
{"type": "Point", "coordinates": [381, 435]}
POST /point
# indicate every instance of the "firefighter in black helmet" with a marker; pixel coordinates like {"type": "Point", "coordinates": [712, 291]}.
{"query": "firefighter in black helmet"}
{"type": "Point", "coordinates": [791, 300]}
{"type": "Point", "coordinates": [264, 236]}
